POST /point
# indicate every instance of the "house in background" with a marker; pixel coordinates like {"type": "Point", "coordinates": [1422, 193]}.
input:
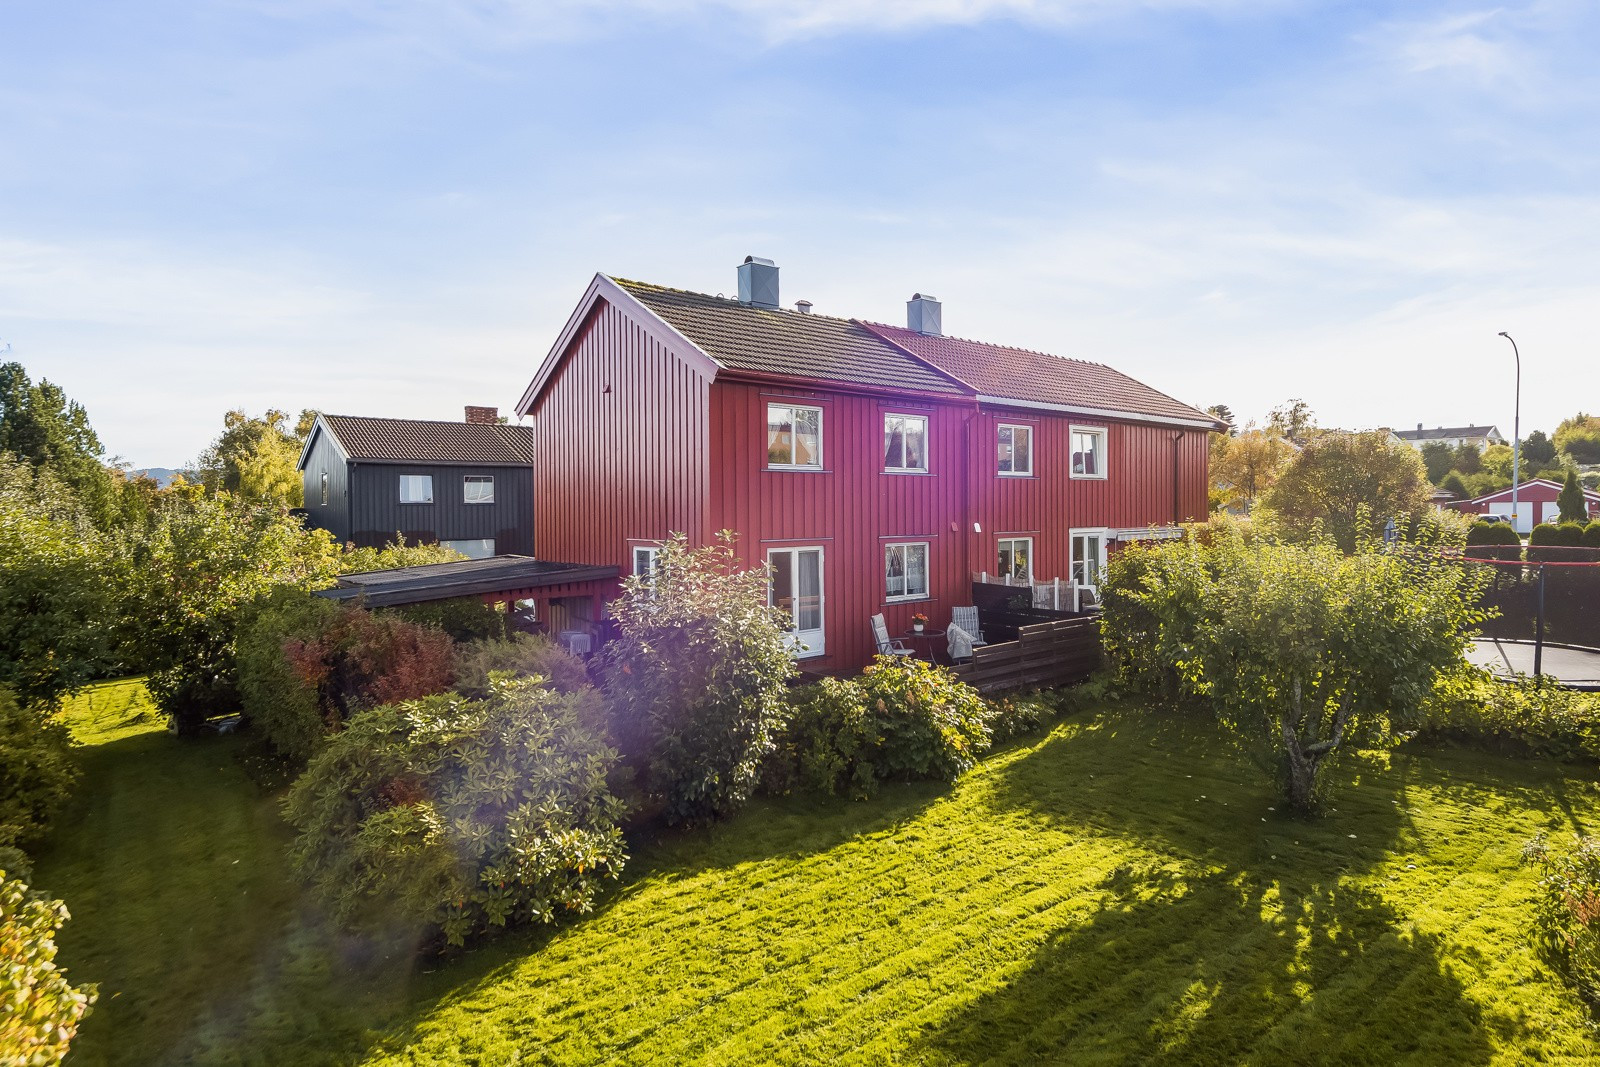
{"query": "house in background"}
{"type": "Point", "coordinates": [1479, 437]}
{"type": "Point", "coordinates": [1536, 503]}
{"type": "Point", "coordinates": [875, 469]}
{"type": "Point", "coordinates": [467, 485]}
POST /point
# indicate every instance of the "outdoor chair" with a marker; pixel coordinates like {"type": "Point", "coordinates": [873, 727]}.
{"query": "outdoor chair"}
{"type": "Point", "coordinates": [887, 646]}
{"type": "Point", "coordinates": [967, 619]}
{"type": "Point", "coordinates": [958, 643]}
{"type": "Point", "coordinates": [1084, 597]}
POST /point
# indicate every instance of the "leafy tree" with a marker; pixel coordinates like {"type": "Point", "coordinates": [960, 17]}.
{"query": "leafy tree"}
{"type": "Point", "coordinates": [1468, 458]}
{"type": "Point", "coordinates": [1244, 467]}
{"type": "Point", "coordinates": [1336, 478]}
{"type": "Point", "coordinates": [1293, 420]}
{"type": "Point", "coordinates": [1574, 508]}
{"type": "Point", "coordinates": [1496, 462]}
{"type": "Point", "coordinates": [461, 814]}
{"type": "Point", "coordinates": [1223, 414]}
{"type": "Point", "coordinates": [57, 630]}
{"type": "Point", "coordinates": [1453, 483]}
{"type": "Point", "coordinates": [42, 1009]}
{"type": "Point", "coordinates": [1579, 437]}
{"type": "Point", "coordinates": [37, 771]}
{"type": "Point", "coordinates": [40, 426]}
{"type": "Point", "coordinates": [1439, 458]}
{"type": "Point", "coordinates": [696, 678]}
{"type": "Point", "coordinates": [1297, 649]}
{"type": "Point", "coordinates": [1538, 450]}
{"type": "Point", "coordinates": [256, 459]}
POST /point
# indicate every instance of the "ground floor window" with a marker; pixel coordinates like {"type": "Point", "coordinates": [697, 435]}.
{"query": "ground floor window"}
{"type": "Point", "coordinates": [1088, 556]}
{"type": "Point", "coordinates": [905, 571]}
{"type": "Point", "coordinates": [1016, 558]}
{"type": "Point", "coordinates": [644, 561]}
{"type": "Point", "coordinates": [796, 591]}
{"type": "Point", "coordinates": [472, 548]}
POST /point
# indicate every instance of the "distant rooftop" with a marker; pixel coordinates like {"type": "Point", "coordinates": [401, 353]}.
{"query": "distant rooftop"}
{"type": "Point", "coordinates": [375, 440]}
{"type": "Point", "coordinates": [1439, 433]}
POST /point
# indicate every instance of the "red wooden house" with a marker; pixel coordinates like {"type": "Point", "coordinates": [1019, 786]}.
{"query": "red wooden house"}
{"type": "Point", "coordinates": [874, 468]}
{"type": "Point", "coordinates": [1536, 503]}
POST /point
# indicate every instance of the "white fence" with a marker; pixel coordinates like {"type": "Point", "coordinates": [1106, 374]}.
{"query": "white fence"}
{"type": "Point", "coordinates": [1056, 594]}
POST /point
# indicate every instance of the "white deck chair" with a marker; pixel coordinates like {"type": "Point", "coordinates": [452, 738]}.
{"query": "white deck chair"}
{"type": "Point", "coordinates": [967, 619]}
{"type": "Point", "coordinates": [887, 646]}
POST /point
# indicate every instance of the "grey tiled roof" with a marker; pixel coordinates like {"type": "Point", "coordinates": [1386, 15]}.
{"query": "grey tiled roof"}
{"type": "Point", "coordinates": [741, 337]}
{"type": "Point", "coordinates": [1441, 432]}
{"type": "Point", "coordinates": [420, 441]}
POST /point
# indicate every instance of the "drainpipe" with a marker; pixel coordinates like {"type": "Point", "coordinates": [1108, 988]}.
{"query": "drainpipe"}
{"type": "Point", "coordinates": [1177, 481]}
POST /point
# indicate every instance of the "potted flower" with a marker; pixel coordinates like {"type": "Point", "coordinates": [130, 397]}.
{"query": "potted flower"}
{"type": "Point", "coordinates": [918, 621]}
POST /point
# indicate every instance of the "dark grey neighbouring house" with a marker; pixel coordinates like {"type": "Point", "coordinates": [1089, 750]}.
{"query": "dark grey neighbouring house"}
{"type": "Point", "coordinates": [468, 485]}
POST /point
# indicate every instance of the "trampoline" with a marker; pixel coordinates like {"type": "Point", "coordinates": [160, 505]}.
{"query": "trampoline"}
{"type": "Point", "coordinates": [1569, 666]}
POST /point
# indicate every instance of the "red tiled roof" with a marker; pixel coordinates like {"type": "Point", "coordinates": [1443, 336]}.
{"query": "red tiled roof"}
{"type": "Point", "coordinates": [421, 441]}
{"type": "Point", "coordinates": [769, 341]}
{"type": "Point", "coordinates": [1030, 377]}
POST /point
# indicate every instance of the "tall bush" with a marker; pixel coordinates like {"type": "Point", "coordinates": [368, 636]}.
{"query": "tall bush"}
{"type": "Point", "coordinates": [520, 655]}
{"type": "Point", "coordinates": [460, 814]}
{"type": "Point", "coordinates": [39, 1009]}
{"type": "Point", "coordinates": [1295, 649]}
{"type": "Point", "coordinates": [37, 770]}
{"type": "Point", "coordinates": [696, 678]}
{"type": "Point", "coordinates": [1566, 918]}
{"type": "Point", "coordinates": [1571, 502]}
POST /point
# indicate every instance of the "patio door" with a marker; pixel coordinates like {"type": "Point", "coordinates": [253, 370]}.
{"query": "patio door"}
{"type": "Point", "coordinates": [797, 591]}
{"type": "Point", "coordinates": [1088, 556]}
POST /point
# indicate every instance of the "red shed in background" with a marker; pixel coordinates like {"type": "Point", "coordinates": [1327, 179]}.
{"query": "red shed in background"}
{"type": "Point", "coordinates": [876, 469]}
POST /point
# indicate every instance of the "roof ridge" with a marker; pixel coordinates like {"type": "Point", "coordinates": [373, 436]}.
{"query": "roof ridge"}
{"type": "Point", "coordinates": [429, 422]}
{"type": "Point", "coordinates": [992, 344]}
{"type": "Point", "coordinates": [733, 301]}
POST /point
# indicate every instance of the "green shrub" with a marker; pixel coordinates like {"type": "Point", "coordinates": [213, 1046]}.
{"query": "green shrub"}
{"type": "Point", "coordinates": [310, 663]}
{"type": "Point", "coordinates": [696, 679]}
{"type": "Point", "coordinates": [37, 770]}
{"type": "Point", "coordinates": [464, 618]}
{"type": "Point", "coordinates": [1570, 535]}
{"type": "Point", "coordinates": [1591, 535]}
{"type": "Point", "coordinates": [521, 655]}
{"type": "Point", "coordinates": [353, 560]}
{"type": "Point", "coordinates": [1493, 540]}
{"type": "Point", "coordinates": [1545, 533]}
{"type": "Point", "coordinates": [901, 719]}
{"type": "Point", "coordinates": [457, 814]}
{"type": "Point", "coordinates": [1468, 706]}
{"type": "Point", "coordinates": [41, 1008]}
{"type": "Point", "coordinates": [1566, 918]}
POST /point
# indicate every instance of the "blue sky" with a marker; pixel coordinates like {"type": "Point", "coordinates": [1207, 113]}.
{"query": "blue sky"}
{"type": "Point", "coordinates": [390, 207]}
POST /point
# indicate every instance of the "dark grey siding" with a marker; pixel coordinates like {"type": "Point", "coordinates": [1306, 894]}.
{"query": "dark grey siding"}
{"type": "Point", "coordinates": [376, 513]}
{"type": "Point", "coordinates": [322, 459]}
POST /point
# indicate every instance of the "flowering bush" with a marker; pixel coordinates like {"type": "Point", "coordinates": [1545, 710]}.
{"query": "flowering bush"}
{"type": "Point", "coordinates": [1567, 913]}
{"type": "Point", "coordinates": [41, 1009]}
{"type": "Point", "coordinates": [458, 814]}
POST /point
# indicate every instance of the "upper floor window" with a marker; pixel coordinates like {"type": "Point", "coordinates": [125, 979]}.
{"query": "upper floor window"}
{"type": "Point", "coordinates": [1016, 449]}
{"type": "Point", "coordinates": [794, 437]}
{"type": "Point", "coordinates": [905, 571]}
{"type": "Point", "coordinates": [416, 489]}
{"type": "Point", "coordinates": [324, 488]}
{"type": "Point", "coordinates": [1088, 453]}
{"type": "Point", "coordinates": [1016, 558]}
{"type": "Point", "coordinates": [644, 561]}
{"type": "Point", "coordinates": [905, 443]}
{"type": "Point", "coordinates": [478, 489]}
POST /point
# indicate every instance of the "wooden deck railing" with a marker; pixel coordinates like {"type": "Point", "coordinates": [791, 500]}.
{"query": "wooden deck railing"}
{"type": "Point", "coordinates": [1044, 654]}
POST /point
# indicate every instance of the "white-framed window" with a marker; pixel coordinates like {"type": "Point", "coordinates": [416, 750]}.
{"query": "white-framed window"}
{"type": "Point", "coordinates": [477, 489]}
{"type": "Point", "coordinates": [905, 443]}
{"type": "Point", "coordinates": [1088, 452]}
{"type": "Point", "coordinates": [905, 571]}
{"type": "Point", "coordinates": [1016, 449]}
{"type": "Point", "coordinates": [472, 547]}
{"type": "Point", "coordinates": [794, 437]}
{"type": "Point", "coordinates": [324, 488]}
{"type": "Point", "coordinates": [1016, 558]}
{"type": "Point", "coordinates": [796, 591]}
{"type": "Point", "coordinates": [644, 561]}
{"type": "Point", "coordinates": [1088, 556]}
{"type": "Point", "coordinates": [416, 489]}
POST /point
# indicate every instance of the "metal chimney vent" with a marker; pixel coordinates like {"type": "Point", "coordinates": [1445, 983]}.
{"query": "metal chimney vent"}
{"type": "Point", "coordinates": [803, 306]}
{"type": "Point", "coordinates": [758, 282]}
{"type": "Point", "coordinates": [924, 315]}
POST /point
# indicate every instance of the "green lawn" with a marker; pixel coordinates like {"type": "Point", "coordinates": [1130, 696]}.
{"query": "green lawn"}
{"type": "Point", "coordinates": [1118, 891]}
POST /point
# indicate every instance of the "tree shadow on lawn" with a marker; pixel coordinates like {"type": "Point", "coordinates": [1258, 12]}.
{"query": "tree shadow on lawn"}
{"type": "Point", "coordinates": [1222, 967]}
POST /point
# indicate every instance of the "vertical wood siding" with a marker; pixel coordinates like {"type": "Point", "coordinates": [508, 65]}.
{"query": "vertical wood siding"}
{"type": "Point", "coordinates": [325, 459]}
{"type": "Point", "coordinates": [376, 513]}
{"type": "Point", "coordinates": [619, 444]}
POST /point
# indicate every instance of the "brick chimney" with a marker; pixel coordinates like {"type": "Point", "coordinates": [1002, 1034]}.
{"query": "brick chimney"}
{"type": "Point", "coordinates": [482, 416]}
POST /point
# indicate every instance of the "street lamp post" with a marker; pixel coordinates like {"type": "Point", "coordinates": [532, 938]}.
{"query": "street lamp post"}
{"type": "Point", "coordinates": [1516, 433]}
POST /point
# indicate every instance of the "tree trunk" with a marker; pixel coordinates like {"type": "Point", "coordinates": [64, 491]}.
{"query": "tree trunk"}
{"type": "Point", "coordinates": [1301, 781]}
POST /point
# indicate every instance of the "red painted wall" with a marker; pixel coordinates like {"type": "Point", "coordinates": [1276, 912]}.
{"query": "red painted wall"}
{"type": "Point", "coordinates": [620, 444]}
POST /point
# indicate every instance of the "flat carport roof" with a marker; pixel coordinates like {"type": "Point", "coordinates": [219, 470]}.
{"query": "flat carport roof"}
{"type": "Point", "coordinates": [502, 575]}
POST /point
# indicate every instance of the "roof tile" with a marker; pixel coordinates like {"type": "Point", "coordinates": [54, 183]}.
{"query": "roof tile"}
{"type": "Point", "coordinates": [420, 441]}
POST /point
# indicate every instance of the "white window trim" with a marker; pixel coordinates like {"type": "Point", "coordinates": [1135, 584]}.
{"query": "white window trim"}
{"type": "Point", "coordinates": [325, 481]}
{"type": "Point", "coordinates": [1105, 452]}
{"type": "Point", "coordinates": [821, 647]}
{"type": "Point", "coordinates": [464, 479]}
{"type": "Point", "coordinates": [927, 572]}
{"type": "Point", "coordinates": [633, 557]}
{"type": "Point", "coordinates": [1014, 427]}
{"type": "Point", "coordinates": [821, 451]}
{"type": "Point", "coordinates": [1013, 540]}
{"type": "Point", "coordinates": [887, 415]}
{"type": "Point", "coordinates": [400, 488]}
{"type": "Point", "coordinates": [1104, 533]}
